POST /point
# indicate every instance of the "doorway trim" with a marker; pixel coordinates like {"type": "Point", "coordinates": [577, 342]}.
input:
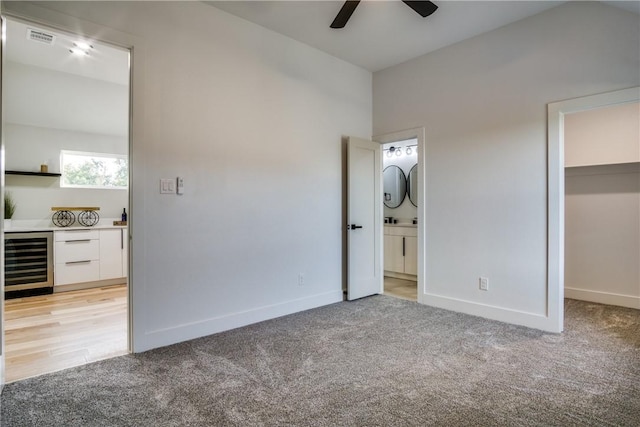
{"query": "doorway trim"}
{"type": "Point", "coordinates": [419, 134]}
{"type": "Point", "coordinates": [135, 46]}
{"type": "Point", "coordinates": [555, 193]}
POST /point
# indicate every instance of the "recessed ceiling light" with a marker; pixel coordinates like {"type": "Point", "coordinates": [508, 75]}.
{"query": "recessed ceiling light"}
{"type": "Point", "coordinates": [81, 49]}
{"type": "Point", "coordinates": [83, 45]}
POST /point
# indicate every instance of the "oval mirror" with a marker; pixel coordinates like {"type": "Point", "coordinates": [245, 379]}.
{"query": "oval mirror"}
{"type": "Point", "coordinates": [395, 186]}
{"type": "Point", "coordinates": [412, 185]}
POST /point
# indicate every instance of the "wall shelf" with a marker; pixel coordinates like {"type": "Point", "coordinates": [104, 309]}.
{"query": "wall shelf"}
{"type": "Point", "coordinates": [32, 173]}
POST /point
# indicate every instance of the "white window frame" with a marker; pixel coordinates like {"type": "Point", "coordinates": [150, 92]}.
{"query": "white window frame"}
{"type": "Point", "coordinates": [63, 184]}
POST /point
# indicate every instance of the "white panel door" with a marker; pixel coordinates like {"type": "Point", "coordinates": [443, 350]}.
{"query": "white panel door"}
{"type": "Point", "coordinates": [364, 214]}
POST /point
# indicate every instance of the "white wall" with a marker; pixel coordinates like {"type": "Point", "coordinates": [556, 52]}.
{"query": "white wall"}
{"type": "Point", "coordinates": [483, 103]}
{"type": "Point", "coordinates": [602, 234]}
{"type": "Point", "coordinates": [253, 122]}
{"type": "Point", "coordinates": [48, 111]}
{"type": "Point", "coordinates": [602, 136]}
{"type": "Point", "coordinates": [26, 147]}
{"type": "Point", "coordinates": [41, 97]}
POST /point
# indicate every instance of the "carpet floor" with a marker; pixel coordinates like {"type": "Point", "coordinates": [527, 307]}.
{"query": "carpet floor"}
{"type": "Point", "coordinates": [378, 361]}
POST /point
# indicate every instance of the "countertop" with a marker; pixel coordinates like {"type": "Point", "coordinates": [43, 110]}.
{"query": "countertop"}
{"type": "Point", "coordinates": [24, 226]}
{"type": "Point", "coordinates": [401, 224]}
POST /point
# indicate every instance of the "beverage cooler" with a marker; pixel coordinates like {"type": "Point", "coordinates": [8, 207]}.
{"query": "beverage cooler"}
{"type": "Point", "coordinates": [28, 263]}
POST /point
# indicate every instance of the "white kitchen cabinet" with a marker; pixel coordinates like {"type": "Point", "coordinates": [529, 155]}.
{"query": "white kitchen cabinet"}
{"type": "Point", "coordinates": [125, 252]}
{"type": "Point", "coordinates": [76, 256]}
{"type": "Point", "coordinates": [111, 253]}
{"type": "Point", "coordinates": [89, 255]}
{"type": "Point", "coordinates": [401, 250]}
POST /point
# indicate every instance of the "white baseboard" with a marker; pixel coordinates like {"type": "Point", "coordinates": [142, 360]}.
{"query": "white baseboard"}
{"type": "Point", "coordinates": [400, 275]}
{"type": "Point", "coordinates": [530, 320]}
{"type": "Point", "coordinates": [89, 285]}
{"type": "Point", "coordinates": [603, 297]}
{"type": "Point", "coordinates": [164, 337]}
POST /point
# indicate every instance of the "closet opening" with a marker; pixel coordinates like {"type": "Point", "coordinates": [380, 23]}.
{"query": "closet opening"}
{"type": "Point", "coordinates": [602, 205]}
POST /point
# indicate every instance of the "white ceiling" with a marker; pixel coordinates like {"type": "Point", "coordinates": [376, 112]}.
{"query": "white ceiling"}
{"type": "Point", "coordinates": [49, 87]}
{"type": "Point", "coordinates": [383, 33]}
{"type": "Point", "coordinates": [380, 33]}
{"type": "Point", "coordinates": [104, 62]}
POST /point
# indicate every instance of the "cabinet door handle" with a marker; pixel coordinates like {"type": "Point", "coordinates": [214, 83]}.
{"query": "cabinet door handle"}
{"type": "Point", "coordinates": [403, 239]}
{"type": "Point", "coordinates": [78, 262]}
{"type": "Point", "coordinates": [78, 241]}
{"type": "Point", "coordinates": [121, 238]}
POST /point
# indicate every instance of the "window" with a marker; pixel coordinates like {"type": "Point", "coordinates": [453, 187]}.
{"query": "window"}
{"type": "Point", "coordinates": [94, 170]}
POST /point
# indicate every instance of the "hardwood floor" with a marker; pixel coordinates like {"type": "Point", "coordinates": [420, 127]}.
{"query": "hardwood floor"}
{"type": "Point", "coordinates": [52, 332]}
{"type": "Point", "coordinates": [399, 288]}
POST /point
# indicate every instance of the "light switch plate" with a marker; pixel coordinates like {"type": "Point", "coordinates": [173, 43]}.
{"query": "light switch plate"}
{"type": "Point", "coordinates": [167, 186]}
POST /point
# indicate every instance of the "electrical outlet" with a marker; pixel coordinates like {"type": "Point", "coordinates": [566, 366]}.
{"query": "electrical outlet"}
{"type": "Point", "coordinates": [484, 284]}
{"type": "Point", "coordinates": [300, 279]}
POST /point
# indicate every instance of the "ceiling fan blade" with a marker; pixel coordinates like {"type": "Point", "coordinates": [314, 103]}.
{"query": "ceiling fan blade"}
{"type": "Point", "coordinates": [345, 13]}
{"type": "Point", "coordinates": [424, 8]}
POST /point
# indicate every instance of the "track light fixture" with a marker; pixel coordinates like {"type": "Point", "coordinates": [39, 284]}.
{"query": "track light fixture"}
{"type": "Point", "coordinates": [409, 150]}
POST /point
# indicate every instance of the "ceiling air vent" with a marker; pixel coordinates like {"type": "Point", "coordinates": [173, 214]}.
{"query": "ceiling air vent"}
{"type": "Point", "coordinates": [40, 36]}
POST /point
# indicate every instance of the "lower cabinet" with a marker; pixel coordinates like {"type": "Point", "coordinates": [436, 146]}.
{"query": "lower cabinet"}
{"type": "Point", "coordinates": [401, 250]}
{"type": "Point", "coordinates": [111, 254]}
{"type": "Point", "coordinates": [89, 255]}
{"type": "Point", "coordinates": [77, 256]}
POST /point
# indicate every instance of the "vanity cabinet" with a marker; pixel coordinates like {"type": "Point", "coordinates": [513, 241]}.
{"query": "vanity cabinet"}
{"type": "Point", "coordinates": [89, 255]}
{"type": "Point", "coordinates": [401, 250]}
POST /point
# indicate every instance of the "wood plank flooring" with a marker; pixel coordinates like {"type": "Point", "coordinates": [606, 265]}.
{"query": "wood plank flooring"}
{"type": "Point", "coordinates": [52, 332]}
{"type": "Point", "coordinates": [400, 288]}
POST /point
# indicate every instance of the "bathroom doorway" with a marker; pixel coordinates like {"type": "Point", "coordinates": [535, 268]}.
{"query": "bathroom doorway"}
{"type": "Point", "coordinates": [403, 236]}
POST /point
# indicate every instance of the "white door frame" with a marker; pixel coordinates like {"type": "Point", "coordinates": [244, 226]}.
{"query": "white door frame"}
{"type": "Point", "coordinates": [419, 134]}
{"type": "Point", "coordinates": [62, 23]}
{"type": "Point", "coordinates": [555, 179]}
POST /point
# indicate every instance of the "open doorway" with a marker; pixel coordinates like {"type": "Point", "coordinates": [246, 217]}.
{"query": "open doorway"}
{"type": "Point", "coordinates": [66, 142]}
{"type": "Point", "coordinates": [400, 238]}
{"type": "Point", "coordinates": [602, 205]}
{"type": "Point", "coordinates": [404, 214]}
{"type": "Point", "coordinates": [557, 114]}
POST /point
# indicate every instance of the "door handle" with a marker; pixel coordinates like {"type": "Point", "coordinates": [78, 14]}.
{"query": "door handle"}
{"type": "Point", "coordinates": [353, 226]}
{"type": "Point", "coordinates": [403, 250]}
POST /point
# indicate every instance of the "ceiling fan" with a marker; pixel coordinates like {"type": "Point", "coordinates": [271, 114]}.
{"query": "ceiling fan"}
{"type": "Point", "coordinates": [424, 8]}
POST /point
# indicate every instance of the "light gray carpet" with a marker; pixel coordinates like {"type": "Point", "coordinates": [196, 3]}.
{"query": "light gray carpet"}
{"type": "Point", "coordinates": [379, 361]}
